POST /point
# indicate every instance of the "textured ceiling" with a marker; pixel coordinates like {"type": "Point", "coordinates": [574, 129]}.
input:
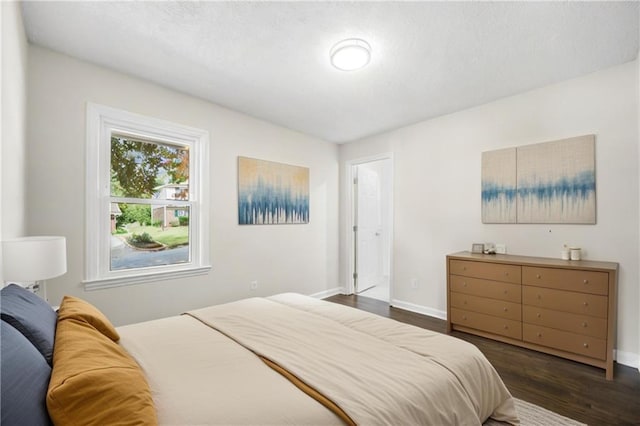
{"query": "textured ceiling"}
{"type": "Point", "coordinates": [271, 60]}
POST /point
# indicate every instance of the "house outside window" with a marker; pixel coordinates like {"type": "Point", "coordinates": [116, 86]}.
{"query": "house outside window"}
{"type": "Point", "coordinates": [168, 214]}
{"type": "Point", "coordinates": [147, 212]}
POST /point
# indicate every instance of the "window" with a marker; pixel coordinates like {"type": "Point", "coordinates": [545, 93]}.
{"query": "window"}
{"type": "Point", "coordinates": [147, 212]}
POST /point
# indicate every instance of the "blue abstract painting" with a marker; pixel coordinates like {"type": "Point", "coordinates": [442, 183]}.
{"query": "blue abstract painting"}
{"type": "Point", "coordinates": [272, 193]}
{"type": "Point", "coordinates": [551, 182]}
{"type": "Point", "coordinates": [556, 182]}
{"type": "Point", "coordinates": [499, 186]}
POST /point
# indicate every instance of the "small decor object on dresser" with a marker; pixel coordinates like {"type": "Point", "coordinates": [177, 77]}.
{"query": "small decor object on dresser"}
{"type": "Point", "coordinates": [489, 248]}
{"type": "Point", "coordinates": [576, 253]}
{"type": "Point", "coordinates": [567, 309]}
{"type": "Point", "coordinates": [477, 248]}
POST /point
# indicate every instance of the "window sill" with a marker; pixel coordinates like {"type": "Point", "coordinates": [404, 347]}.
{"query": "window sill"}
{"type": "Point", "coordinates": [101, 284]}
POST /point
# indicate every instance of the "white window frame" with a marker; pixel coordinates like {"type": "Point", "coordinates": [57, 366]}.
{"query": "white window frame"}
{"type": "Point", "coordinates": [102, 121]}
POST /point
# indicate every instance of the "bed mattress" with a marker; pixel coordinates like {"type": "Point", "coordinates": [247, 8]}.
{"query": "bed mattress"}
{"type": "Point", "coordinates": [208, 367]}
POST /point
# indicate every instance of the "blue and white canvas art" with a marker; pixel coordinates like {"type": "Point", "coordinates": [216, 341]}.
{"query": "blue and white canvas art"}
{"type": "Point", "coordinates": [499, 186]}
{"type": "Point", "coordinates": [272, 193]}
{"type": "Point", "coordinates": [551, 182]}
{"type": "Point", "coordinates": [557, 182]}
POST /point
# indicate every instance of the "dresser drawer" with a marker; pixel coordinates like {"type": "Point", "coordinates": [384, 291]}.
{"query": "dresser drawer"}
{"type": "Point", "coordinates": [490, 271]}
{"type": "Point", "coordinates": [579, 324]}
{"type": "Point", "coordinates": [486, 288]}
{"type": "Point", "coordinates": [567, 279]}
{"type": "Point", "coordinates": [491, 324]}
{"type": "Point", "coordinates": [563, 340]}
{"type": "Point", "coordinates": [565, 301]}
{"type": "Point", "coordinates": [497, 308]}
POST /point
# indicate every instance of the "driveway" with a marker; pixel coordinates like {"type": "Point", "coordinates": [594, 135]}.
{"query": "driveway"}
{"type": "Point", "coordinates": [125, 257]}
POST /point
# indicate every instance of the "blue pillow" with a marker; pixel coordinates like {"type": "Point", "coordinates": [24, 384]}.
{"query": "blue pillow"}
{"type": "Point", "coordinates": [24, 379]}
{"type": "Point", "coordinates": [31, 316]}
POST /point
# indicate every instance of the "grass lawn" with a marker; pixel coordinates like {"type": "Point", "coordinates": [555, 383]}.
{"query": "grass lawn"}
{"type": "Point", "coordinates": [172, 236]}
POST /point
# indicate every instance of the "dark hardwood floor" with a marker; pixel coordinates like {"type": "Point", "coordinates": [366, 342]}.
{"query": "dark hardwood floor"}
{"type": "Point", "coordinates": [569, 388]}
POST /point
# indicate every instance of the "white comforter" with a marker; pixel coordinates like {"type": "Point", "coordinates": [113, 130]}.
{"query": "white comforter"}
{"type": "Point", "coordinates": [378, 371]}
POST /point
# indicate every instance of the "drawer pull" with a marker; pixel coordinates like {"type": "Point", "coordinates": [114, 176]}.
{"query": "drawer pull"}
{"type": "Point", "coordinates": [538, 315]}
{"type": "Point", "coordinates": [464, 283]}
{"type": "Point", "coordinates": [464, 302]}
{"type": "Point", "coordinates": [538, 276]}
{"type": "Point", "coordinates": [539, 334]}
{"type": "Point", "coordinates": [505, 292]}
{"type": "Point", "coordinates": [464, 268]}
{"type": "Point", "coordinates": [464, 317]}
{"type": "Point", "coordinates": [584, 324]}
{"type": "Point", "coordinates": [506, 274]}
{"type": "Point", "coordinates": [586, 345]}
{"type": "Point", "coordinates": [539, 296]}
{"type": "Point", "coordinates": [504, 309]}
{"type": "Point", "coordinates": [585, 303]}
{"type": "Point", "coordinates": [586, 281]}
{"type": "Point", "coordinates": [506, 327]}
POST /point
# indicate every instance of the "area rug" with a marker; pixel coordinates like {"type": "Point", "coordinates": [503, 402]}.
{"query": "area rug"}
{"type": "Point", "coordinates": [534, 415]}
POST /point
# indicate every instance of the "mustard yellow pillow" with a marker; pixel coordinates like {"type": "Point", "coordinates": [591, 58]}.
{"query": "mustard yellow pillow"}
{"type": "Point", "coordinates": [94, 381]}
{"type": "Point", "coordinates": [73, 307]}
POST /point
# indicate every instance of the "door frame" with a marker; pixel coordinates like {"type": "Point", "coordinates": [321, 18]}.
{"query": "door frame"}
{"type": "Point", "coordinates": [349, 220]}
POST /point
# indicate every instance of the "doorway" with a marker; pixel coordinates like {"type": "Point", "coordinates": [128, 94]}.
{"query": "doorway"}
{"type": "Point", "coordinates": [371, 217]}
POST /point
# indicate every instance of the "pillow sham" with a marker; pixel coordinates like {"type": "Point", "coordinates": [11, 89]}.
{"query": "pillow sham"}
{"type": "Point", "coordinates": [31, 316]}
{"type": "Point", "coordinates": [75, 308]}
{"type": "Point", "coordinates": [24, 377]}
{"type": "Point", "coordinates": [94, 381]}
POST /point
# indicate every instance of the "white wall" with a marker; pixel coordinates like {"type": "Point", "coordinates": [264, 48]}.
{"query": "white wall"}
{"type": "Point", "coordinates": [302, 258]}
{"type": "Point", "coordinates": [437, 187]}
{"type": "Point", "coordinates": [14, 111]}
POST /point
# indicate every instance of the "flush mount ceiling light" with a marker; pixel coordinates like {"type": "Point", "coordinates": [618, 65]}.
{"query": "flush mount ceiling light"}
{"type": "Point", "coordinates": [350, 54]}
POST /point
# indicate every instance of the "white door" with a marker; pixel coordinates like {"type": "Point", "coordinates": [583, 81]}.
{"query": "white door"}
{"type": "Point", "coordinates": [368, 220]}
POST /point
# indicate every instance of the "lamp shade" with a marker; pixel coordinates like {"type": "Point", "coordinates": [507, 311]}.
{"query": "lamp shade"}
{"type": "Point", "coordinates": [34, 258]}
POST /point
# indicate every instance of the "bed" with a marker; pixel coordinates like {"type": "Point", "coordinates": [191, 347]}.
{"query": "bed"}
{"type": "Point", "coordinates": [287, 359]}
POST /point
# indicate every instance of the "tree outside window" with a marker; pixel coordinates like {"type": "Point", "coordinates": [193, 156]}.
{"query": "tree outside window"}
{"type": "Point", "coordinates": [149, 233]}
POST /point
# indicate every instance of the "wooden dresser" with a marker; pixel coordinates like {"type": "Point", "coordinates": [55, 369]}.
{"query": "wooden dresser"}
{"type": "Point", "coordinates": [562, 307]}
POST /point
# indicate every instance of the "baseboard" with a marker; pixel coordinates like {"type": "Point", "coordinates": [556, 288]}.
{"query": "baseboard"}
{"type": "Point", "coordinates": [419, 309]}
{"type": "Point", "coordinates": [328, 293]}
{"type": "Point", "coordinates": [627, 358]}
